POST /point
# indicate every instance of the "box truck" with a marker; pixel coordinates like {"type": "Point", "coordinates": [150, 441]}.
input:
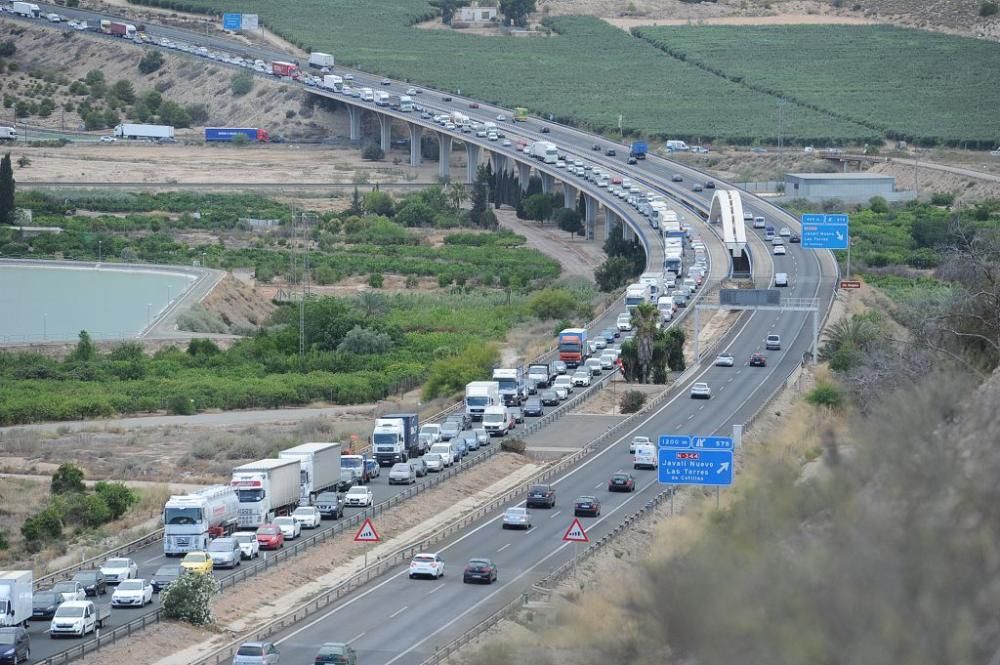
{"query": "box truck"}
{"type": "Point", "coordinates": [319, 60]}
{"type": "Point", "coordinates": [545, 151]}
{"type": "Point", "coordinates": [381, 98]}
{"type": "Point", "coordinates": [512, 389]}
{"type": "Point", "coordinates": [406, 103]}
{"type": "Point", "coordinates": [319, 468]}
{"type": "Point", "coordinates": [266, 488]}
{"type": "Point", "coordinates": [333, 82]}
{"type": "Point", "coordinates": [639, 150]}
{"type": "Point", "coordinates": [28, 9]}
{"type": "Point", "coordinates": [227, 134]}
{"type": "Point", "coordinates": [541, 374]}
{"type": "Point", "coordinates": [15, 597]}
{"type": "Point", "coordinates": [282, 68]}
{"type": "Point", "coordinates": [133, 131]}
{"type": "Point", "coordinates": [479, 395]}
{"type": "Point", "coordinates": [395, 438]}
{"type": "Point", "coordinates": [367, 95]}
{"type": "Point", "coordinates": [8, 134]}
{"type": "Point", "coordinates": [190, 521]}
{"type": "Point", "coordinates": [573, 346]}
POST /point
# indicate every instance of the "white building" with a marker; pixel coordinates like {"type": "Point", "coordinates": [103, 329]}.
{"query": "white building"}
{"type": "Point", "coordinates": [475, 15]}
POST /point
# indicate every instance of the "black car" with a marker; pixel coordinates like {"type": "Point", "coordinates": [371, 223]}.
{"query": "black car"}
{"type": "Point", "coordinates": [92, 581]}
{"type": "Point", "coordinates": [795, 238]}
{"type": "Point", "coordinates": [15, 645]}
{"type": "Point", "coordinates": [533, 407]}
{"type": "Point", "coordinates": [677, 178]}
{"type": "Point", "coordinates": [709, 184]}
{"type": "Point", "coordinates": [621, 482]}
{"type": "Point", "coordinates": [543, 496]}
{"type": "Point", "coordinates": [587, 506]}
{"type": "Point", "coordinates": [44, 604]}
{"type": "Point", "coordinates": [758, 360]}
{"type": "Point", "coordinates": [545, 130]}
{"type": "Point", "coordinates": [165, 576]}
{"type": "Point", "coordinates": [595, 147]}
{"type": "Point", "coordinates": [330, 505]}
{"type": "Point", "coordinates": [610, 152]}
{"type": "Point", "coordinates": [696, 188]}
{"type": "Point", "coordinates": [531, 386]}
{"type": "Point", "coordinates": [480, 570]}
{"type": "Point", "coordinates": [609, 334]}
{"type": "Point", "coordinates": [550, 398]}
{"type": "Point", "coordinates": [446, 98]}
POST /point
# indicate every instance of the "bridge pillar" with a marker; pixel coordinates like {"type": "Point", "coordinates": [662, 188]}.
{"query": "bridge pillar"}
{"type": "Point", "coordinates": [472, 161]}
{"type": "Point", "coordinates": [569, 196]}
{"type": "Point", "coordinates": [498, 162]}
{"type": "Point", "coordinates": [548, 181]}
{"type": "Point", "coordinates": [627, 232]}
{"type": "Point", "coordinates": [607, 223]}
{"type": "Point", "coordinates": [385, 135]}
{"type": "Point", "coordinates": [416, 134]}
{"type": "Point", "coordinates": [354, 113]}
{"type": "Point", "coordinates": [590, 216]}
{"type": "Point", "coordinates": [523, 175]}
{"type": "Point", "coordinates": [444, 155]}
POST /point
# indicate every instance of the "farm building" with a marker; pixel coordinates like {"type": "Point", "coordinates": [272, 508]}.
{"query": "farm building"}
{"type": "Point", "coordinates": [848, 187]}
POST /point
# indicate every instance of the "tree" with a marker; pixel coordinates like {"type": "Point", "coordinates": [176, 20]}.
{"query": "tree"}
{"type": "Point", "coordinates": [538, 207]}
{"type": "Point", "coordinates": [172, 113]}
{"type": "Point", "coordinates": [241, 84]}
{"type": "Point", "coordinates": [189, 598]}
{"type": "Point", "coordinates": [378, 203]}
{"type": "Point", "coordinates": [645, 324]}
{"type": "Point", "coordinates": [150, 62]}
{"type": "Point", "coordinates": [365, 341]}
{"type": "Point", "coordinates": [123, 90]}
{"type": "Point", "coordinates": [516, 11]}
{"type": "Point", "coordinates": [85, 350]}
{"type": "Point", "coordinates": [614, 273]}
{"type": "Point", "coordinates": [457, 193]}
{"type": "Point", "coordinates": [42, 528]}
{"type": "Point", "coordinates": [7, 187]}
{"type": "Point", "coordinates": [553, 304]}
{"type": "Point", "coordinates": [568, 220]}
{"type": "Point", "coordinates": [372, 152]}
{"type": "Point", "coordinates": [447, 8]}
{"type": "Point", "coordinates": [355, 208]}
{"type": "Point", "coordinates": [480, 196]}
{"type": "Point", "coordinates": [415, 213]}
{"type": "Point", "coordinates": [68, 479]}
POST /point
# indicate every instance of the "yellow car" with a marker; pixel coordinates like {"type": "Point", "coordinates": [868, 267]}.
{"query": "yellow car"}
{"type": "Point", "coordinates": [197, 562]}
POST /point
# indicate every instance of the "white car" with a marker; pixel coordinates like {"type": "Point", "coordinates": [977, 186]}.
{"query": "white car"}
{"type": "Point", "coordinates": [561, 392]}
{"type": "Point", "coordinates": [779, 250]}
{"type": "Point", "coordinates": [701, 390]}
{"type": "Point", "coordinates": [290, 527]}
{"type": "Point", "coordinates": [386, 82]}
{"type": "Point", "coordinates": [308, 517]}
{"type": "Point", "coordinates": [563, 381]}
{"type": "Point", "coordinates": [411, 91]}
{"type": "Point", "coordinates": [249, 545]}
{"type": "Point", "coordinates": [427, 565]}
{"type": "Point", "coordinates": [119, 570]}
{"type": "Point", "coordinates": [506, 143]}
{"type": "Point", "coordinates": [133, 593]}
{"type": "Point", "coordinates": [434, 462]}
{"type": "Point", "coordinates": [403, 474]}
{"type": "Point", "coordinates": [581, 378]}
{"type": "Point", "coordinates": [108, 139]}
{"type": "Point", "coordinates": [70, 590]}
{"type": "Point", "coordinates": [785, 232]}
{"type": "Point", "coordinates": [638, 441]}
{"type": "Point", "coordinates": [608, 360]}
{"type": "Point", "coordinates": [501, 118]}
{"type": "Point", "coordinates": [55, 18]}
{"type": "Point", "coordinates": [359, 495]}
{"type": "Point", "coordinates": [600, 343]}
{"type": "Point", "coordinates": [624, 322]}
{"type": "Point", "coordinates": [348, 77]}
{"type": "Point", "coordinates": [725, 360]}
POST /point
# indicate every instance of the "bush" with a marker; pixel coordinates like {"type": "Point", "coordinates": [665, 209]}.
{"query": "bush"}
{"type": "Point", "coordinates": [364, 341]}
{"type": "Point", "coordinates": [826, 394]}
{"type": "Point", "coordinates": [375, 280]}
{"type": "Point", "coordinates": [510, 445]}
{"type": "Point", "coordinates": [117, 497]}
{"type": "Point", "coordinates": [42, 528]}
{"type": "Point", "coordinates": [942, 198]}
{"type": "Point", "coordinates": [68, 479]}
{"type": "Point", "coordinates": [372, 153]}
{"type": "Point", "coordinates": [189, 598]}
{"type": "Point", "coordinates": [180, 405]}
{"type": "Point", "coordinates": [241, 84]}
{"type": "Point", "coordinates": [632, 401]}
{"type": "Point", "coordinates": [553, 304]}
{"type": "Point", "coordinates": [988, 8]}
{"type": "Point", "coordinates": [150, 62]}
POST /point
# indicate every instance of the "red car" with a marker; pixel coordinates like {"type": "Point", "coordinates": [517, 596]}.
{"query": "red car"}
{"type": "Point", "coordinates": [621, 482]}
{"type": "Point", "coordinates": [270, 537]}
{"type": "Point", "coordinates": [758, 360]}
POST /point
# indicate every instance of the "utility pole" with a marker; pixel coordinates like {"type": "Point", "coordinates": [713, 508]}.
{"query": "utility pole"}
{"type": "Point", "coordinates": [781, 124]}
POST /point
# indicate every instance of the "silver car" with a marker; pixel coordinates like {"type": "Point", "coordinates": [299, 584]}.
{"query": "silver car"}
{"type": "Point", "coordinates": [256, 653]}
{"type": "Point", "coordinates": [402, 473]}
{"type": "Point", "coordinates": [516, 518]}
{"type": "Point", "coordinates": [482, 436]}
{"type": "Point", "coordinates": [419, 466]}
{"type": "Point", "coordinates": [225, 552]}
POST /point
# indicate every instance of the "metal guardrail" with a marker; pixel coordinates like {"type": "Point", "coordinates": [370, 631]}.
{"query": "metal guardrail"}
{"type": "Point", "coordinates": [121, 550]}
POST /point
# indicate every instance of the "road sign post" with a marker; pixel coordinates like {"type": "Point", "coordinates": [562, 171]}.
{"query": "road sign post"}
{"type": "Point", "coordinates": [575, 534]}
{"type": "Point", "coordinates": [826, 232]}
{"type": "Point", "coordinates": [367, 534]}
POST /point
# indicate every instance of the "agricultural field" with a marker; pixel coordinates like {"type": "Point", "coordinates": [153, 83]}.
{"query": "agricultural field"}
{"type": "Point", "coordinates": [914, 85]}
{"type": "Point", "coordinates": [559, 75]}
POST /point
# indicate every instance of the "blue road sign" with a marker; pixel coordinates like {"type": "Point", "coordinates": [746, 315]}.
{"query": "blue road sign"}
{"type": "Point", "coordinates": [695, 467]}
{"type": "Point", "coordinates": [232, 21]}
{"type": "Point", "coordinates": [714, 442]}
{"type": "Point", "coordinates": [824, 236]}
{"type": "Point", "coordinates": [674, 441]}
{"type": "Point", "coordinates": [836, 219]}
{"type": "Point", "coordinates": [813, 219]}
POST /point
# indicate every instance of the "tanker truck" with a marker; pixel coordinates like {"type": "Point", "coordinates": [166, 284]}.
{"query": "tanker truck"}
{"type": "Point", "coordinates": [190, 521]}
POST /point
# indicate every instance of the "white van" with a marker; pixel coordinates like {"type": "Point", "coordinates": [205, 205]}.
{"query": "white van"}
{"type": "Point", "coordinates": [645, 457]}
{"type": "Point", "coordinates": [448, 452]}
{"type": "Point", "coordinates": [781, 279]}
{"type": "Point", "coordinates": [758, 222]}
{"type": "Point", "coordinates": [689, 283]}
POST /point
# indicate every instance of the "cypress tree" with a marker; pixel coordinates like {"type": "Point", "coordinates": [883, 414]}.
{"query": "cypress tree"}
{"type": "Point", "coordinates": [6, 190]}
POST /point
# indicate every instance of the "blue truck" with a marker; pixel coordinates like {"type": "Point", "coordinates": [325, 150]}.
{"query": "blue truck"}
{"type": "Point", "coordinates": [639, 150]}
{"type": "Point", "coordinates": [227, 134]}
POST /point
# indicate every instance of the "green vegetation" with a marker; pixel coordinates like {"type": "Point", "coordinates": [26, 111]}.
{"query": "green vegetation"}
{"type": "Point", "coordinates": [626, 260]}
{"type": "Point", "coordinates": [903, 84]}
{"type": "Point", "coordinates": [666, 97]}
{"type": "Point", "coordinates": [7, 190]}
{"type": "Point", "coordinates": [189, 599]}
{"type": "Point", "coordinates": [631, 401]}
{"type": "Point", "coordinates": [652, 352]}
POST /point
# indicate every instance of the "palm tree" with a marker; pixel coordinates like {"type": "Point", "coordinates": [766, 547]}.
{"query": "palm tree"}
{"type": "Point", "coordinates": [645, 322]}
{"type": "Point", "coordinates": [457, 193]}
{"type": "Point", "coordinates": [371, 304]}
{"type": "Point", "coordinates": [858, 332]}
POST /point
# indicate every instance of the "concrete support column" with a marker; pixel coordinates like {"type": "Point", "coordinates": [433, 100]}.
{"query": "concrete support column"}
{"type": "Point", "coordinates": [498, 162]}
{"type": "Point", "coordinates": [548, 182]}
{"type": "Point", "coordinates": [444, 155]}
{"type": "Point", "coordinates": [590, 216]}
{"type": "Point", "coordinates": [416, 134]}
{"type": "Point", "coordinates": [355, 115]}
{"type": "Point", "coordinates": [569, 196]}
{"type": "Point", "coordinates": [472, 161]}
{"type": "Point", "coordinates": [385, 135]}
{"type": "Point", "coordinates": [607, 223]}
{"type": "Point", "coordinates": [523, 175]}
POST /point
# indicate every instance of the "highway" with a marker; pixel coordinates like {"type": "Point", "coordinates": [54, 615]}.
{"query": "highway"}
{"type": "Point", "coordinates": [398, 620]}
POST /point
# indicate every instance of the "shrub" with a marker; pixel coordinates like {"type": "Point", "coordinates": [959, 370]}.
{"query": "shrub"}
{"type": "Point", "coordinates": [150, 62]}
{"type": "Point", "coordinates": [372, 153]}
{"type": "Point", "coordinates": [4, 541]}
{"type": "Point", "coordinates": [510, 445]}
{"type": "Point", "coordinates": [189, 598]}
{"type": "Point", "coordinates": [68, 479]}
{"type": "Point", "coordinates": [375, 280]}
{"type": "Point", "coordinates": [826, 394]}
{"type": "Point", "coordinates": [553, 304]}
{"type": "Point", "coordinates": [942, 198]}
{"type": "Point", "coordinates": [364, 341]}
{"type": "Point", "coordinates": [988, 8]}
{"type": "Point", "coordinates": [241, 84]}
{"type": "Point", "coordinates": [117, 497]}
{"type": "Point", "coordinates": [42, 528]}
{"type": "Point", "coordinates": [181, 405]}
{"type": "Point", "coordinates": [632, 401]}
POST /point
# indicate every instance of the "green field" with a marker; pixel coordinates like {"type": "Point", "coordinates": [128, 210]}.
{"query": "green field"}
{"type": "Point", "coordinates": [588, 73]}
{"type": "Point", "coordinates": [907, 84]}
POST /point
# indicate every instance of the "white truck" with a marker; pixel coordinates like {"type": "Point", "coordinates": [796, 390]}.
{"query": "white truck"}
{"type": "Point", "coordinates": [319, 468]}
{"type": "Point", "coordinates": [8, 134]}
{"type": "Point", "coordinates": [333, 82]}
{"type": "Point", "coordinates": [665, 305]}
{"type": "Point", "coordinates": [677, 146]}
{"type": "Point", "coordinates": [545, 151]}
{"type": "Point", "coordinates": [367, 95]}
{"type": "Point", "coordinates": [653, 282]}
{"type": "Point", "coordinates": [512, 388]}
{"type": "Point", "coordinates": [645, 457]}
{"type": "Point", "coordinates": [496, 420]}
{"type": "Point", "coordinates": [479, 395]}
{"type": "Point", "coordinates": [266, 488]}
{"type": "Point", "coordinates": [133, 131]}
{"type": "Point", "coordinates": [319, 60]}
{"type": "Point", "coordinates": [78, 617]}
{"type": "Point", "coordinates": [190, 521]}
{"type": "Point", "coordinates": [406, 104]}
{"type": "Point", "coordinates": [381, 98]}
{"type": "Point", "coordinates": [396, 438]}
{"type": "Point", "coordinates": [15, 597]}
{"type": "Point", "coordinates": [459, 119]}
{"type": "Point", "coordinates": [635, 295]}
{"type": "Point", "coordinates": [28, 9]}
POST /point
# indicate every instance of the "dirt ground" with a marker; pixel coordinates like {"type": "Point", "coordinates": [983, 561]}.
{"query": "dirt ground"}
{"type": "Point", "coordinates": [326, 565]}
{"type": "Point", "coordinates": [607, 401]}
{"type": "Point", "coordinates": [577, 256]}
{"type": "Point", "coordinates": [239, 305]}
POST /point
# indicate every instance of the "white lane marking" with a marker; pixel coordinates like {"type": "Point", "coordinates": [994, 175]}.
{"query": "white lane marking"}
{"type": "Point", "coordinates": [435, 589]}
{"type": "Point", "coordinates": [553, 515]}
{"type": "Point", "coordinates": [690, 416]}
{"type": "Point", "coordinates": [149, 561]}
{"type": "Point", "coordinates": [503, 548]}
{"type": "Point", "coordinates": [399, 611]}
{"type": "Point", "coordinates": [357, 637]}
{"type": "Point", "coordinates": [598, 486]}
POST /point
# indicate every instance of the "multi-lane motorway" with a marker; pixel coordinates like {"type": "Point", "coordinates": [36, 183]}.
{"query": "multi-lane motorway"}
{"type": "Point", "coordinates": [398, 620]}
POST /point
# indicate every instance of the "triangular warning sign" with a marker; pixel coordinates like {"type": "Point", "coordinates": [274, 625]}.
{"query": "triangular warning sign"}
{"type": "Point", "coordinates": [575, 533]}
{"type": "Point", "coordinates": [367, 533]}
